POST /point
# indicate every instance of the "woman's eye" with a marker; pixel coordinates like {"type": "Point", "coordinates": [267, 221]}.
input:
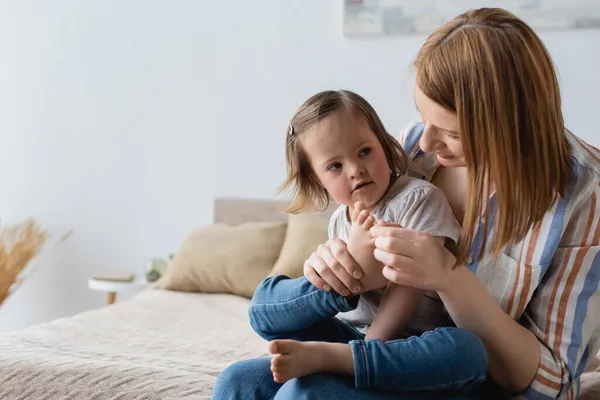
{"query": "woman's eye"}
{"type": "Point", "coordinates": [335, 166]}
{"type": "Point", "coordinates": [364, 152]}
{"type": "Point", "coordinates": [452, 136]}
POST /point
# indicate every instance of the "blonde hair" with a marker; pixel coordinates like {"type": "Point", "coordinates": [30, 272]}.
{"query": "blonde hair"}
{"type": "Point", "coordinates": [493, 71]}
{"type": "Point", "coordinates": [307, 191]}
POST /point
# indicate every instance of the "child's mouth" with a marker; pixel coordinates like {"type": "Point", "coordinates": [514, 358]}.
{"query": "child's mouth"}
{"type": "Point", "coordinates": [361, 186]}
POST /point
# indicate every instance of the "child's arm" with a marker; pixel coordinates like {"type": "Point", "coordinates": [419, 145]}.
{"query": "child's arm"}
{"type": "Point", "coordinates": [397, 307]}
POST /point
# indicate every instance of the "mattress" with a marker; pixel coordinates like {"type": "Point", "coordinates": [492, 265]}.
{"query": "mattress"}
{"type": "Point", "coordinates": [158, 345]}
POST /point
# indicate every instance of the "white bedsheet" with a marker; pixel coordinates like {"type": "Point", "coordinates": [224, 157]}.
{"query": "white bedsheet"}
{"type": "Point", "coordinates": [159, 345]}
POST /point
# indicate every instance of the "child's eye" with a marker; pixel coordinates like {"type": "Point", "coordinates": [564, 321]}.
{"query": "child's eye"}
{"type": "Point", "coordinates": [335, 166]}
{"type": "Point", "coordinates": [452, 135]}
{"type": "Point", "coordinates": [364, 152]}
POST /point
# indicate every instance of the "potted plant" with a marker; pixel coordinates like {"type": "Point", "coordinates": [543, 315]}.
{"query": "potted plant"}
{"type": "Point", "coordinates": [19, 244]}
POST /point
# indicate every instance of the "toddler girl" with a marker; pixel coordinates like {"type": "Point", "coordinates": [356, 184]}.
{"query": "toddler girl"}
{"type": "Point", "coordinates": [337, 148]}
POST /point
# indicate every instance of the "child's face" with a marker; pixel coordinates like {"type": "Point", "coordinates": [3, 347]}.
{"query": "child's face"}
{"type": "Point", "coordinates": [347, 159]}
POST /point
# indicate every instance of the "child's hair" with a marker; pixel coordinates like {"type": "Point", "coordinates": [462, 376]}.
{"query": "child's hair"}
{"type": "Point", "coordinates": [307, 192]}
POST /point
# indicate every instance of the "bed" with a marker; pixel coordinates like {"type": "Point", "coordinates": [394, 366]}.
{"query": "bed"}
{"type": "Point", "coordinates": [140, 348]}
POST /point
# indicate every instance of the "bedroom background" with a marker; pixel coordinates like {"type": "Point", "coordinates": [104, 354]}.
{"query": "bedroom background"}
{"type": "Point", "coordinates": [124, 120]}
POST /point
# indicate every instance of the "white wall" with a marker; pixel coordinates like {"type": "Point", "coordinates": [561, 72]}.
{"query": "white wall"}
{"type": "Point", "coordinates": [123, 120]}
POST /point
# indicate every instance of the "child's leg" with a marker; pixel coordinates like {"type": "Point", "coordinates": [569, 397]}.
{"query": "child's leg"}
{"type": "Point", "coordinates": [443, 359]}
{"type": "Point", "coordinates": [284, 308]}
{"type": "Point", "coordinates": [449, 359]}
{"type": "Point", "coordinates": [361, 246]}
{"type": "Point", "coordinates": [397, 307]}
{"type": "Point", "coordinates": [253, 380]}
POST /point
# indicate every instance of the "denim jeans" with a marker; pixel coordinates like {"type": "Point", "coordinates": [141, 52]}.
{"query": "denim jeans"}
{"type": "Point", "coordinates": [442, 363]}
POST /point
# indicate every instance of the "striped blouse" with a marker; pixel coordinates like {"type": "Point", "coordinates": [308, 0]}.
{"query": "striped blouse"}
{"type": "Point", "coordinates": [548, 282]}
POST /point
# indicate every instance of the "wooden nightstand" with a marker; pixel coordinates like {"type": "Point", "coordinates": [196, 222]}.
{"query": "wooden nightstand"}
{"type": "Point", "coordinates": [111, 288]}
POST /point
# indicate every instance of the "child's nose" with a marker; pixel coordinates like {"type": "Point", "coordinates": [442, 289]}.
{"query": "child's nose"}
{"type": "Point", "coordinates": [356, 170]}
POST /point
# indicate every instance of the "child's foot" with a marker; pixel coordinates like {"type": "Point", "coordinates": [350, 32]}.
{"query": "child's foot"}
{"type": "Point", "coordinates": [361, 246]}
{"type": "Point", "coordinates": [293, 359]}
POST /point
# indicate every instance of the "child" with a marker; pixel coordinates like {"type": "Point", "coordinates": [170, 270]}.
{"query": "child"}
{"type": "Point", "coordinates": [337, 148]}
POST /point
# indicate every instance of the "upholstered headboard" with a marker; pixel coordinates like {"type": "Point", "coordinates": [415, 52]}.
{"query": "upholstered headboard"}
{"type": "Point", "coordinates": [233, 211]}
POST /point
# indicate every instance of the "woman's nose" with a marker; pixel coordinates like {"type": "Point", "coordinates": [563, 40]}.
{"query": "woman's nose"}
{"type": "Point", "coordinates": [429, 139]}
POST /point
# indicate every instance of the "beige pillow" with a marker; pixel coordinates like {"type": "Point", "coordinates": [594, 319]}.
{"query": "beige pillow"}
{"type": "Point", "coordinates": [226, 259]}
{"type": "Point", "coordinates": [304, 233]}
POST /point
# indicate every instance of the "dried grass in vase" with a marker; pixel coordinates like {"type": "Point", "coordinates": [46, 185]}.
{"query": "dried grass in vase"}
{"type": "Point", "coordinates": [19, 244]}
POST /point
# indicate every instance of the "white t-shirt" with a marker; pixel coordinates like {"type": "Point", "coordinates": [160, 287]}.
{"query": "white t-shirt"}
{"type": "Point", "coordinates": [414, 204]}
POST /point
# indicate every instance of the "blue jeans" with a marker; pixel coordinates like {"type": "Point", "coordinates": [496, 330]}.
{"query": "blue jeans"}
{"type": "Point", "coordinates": [449, 361]}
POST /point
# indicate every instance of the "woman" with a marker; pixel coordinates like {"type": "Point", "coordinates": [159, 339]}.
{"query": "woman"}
{"type": "Point", "coordinates": [524, 188]}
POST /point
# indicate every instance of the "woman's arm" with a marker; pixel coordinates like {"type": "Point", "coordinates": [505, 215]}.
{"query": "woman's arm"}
{"type": "Point", "coordinates": [513, 351]}
{"type": "Point", "coordinates": [562, 313]}
{"type": "Point", "coordinates": [543, 358]}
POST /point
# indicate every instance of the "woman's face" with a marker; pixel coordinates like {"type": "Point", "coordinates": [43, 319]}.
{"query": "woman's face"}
{"type": "Point", "coordinates": [441, 134]}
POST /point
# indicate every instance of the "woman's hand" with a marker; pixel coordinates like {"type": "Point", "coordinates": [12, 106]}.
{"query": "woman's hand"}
{"type": "Point", "coordinates": [413, 258]}
{"type": "Point", "coordinates": [331, 266]}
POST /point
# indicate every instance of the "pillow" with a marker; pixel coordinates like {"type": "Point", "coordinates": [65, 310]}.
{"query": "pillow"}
{"type": "Point", "coordinates": [225, 259]}
{"type": "Point", "coordinates": [304, 233]}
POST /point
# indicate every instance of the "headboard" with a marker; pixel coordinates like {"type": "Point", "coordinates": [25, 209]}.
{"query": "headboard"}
{"type": "Point", "coordinates": [233, 211]}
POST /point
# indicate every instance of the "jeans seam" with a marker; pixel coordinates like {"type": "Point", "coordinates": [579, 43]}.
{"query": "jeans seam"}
{"type": "Point", "coordinates": [253, 308]}
{"type": "Point", "coordinates": [435, 387]}
{"type": "Point", "coordinates": [365, 364]}
{"type": "Point", "coordinates": [285, 301]}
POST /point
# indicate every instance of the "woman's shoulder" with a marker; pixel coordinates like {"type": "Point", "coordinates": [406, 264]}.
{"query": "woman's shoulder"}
{"type": "Point", "coordinates": [582, 199]}
{"type": "Point", "coordinates": [410, 135]}
{"type": "Point", "coordinates": [572, 221]}
{"type": "Point", "coordinates": [585, 155]}
{"type": "Point", "coordinates": [421, 165]}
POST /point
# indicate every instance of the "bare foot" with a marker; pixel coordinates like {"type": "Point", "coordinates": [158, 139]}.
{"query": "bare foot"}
{"type": "Point", "coordinates": [293, 359]}
{"type": "Point", "coordinates": [361, 246]}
